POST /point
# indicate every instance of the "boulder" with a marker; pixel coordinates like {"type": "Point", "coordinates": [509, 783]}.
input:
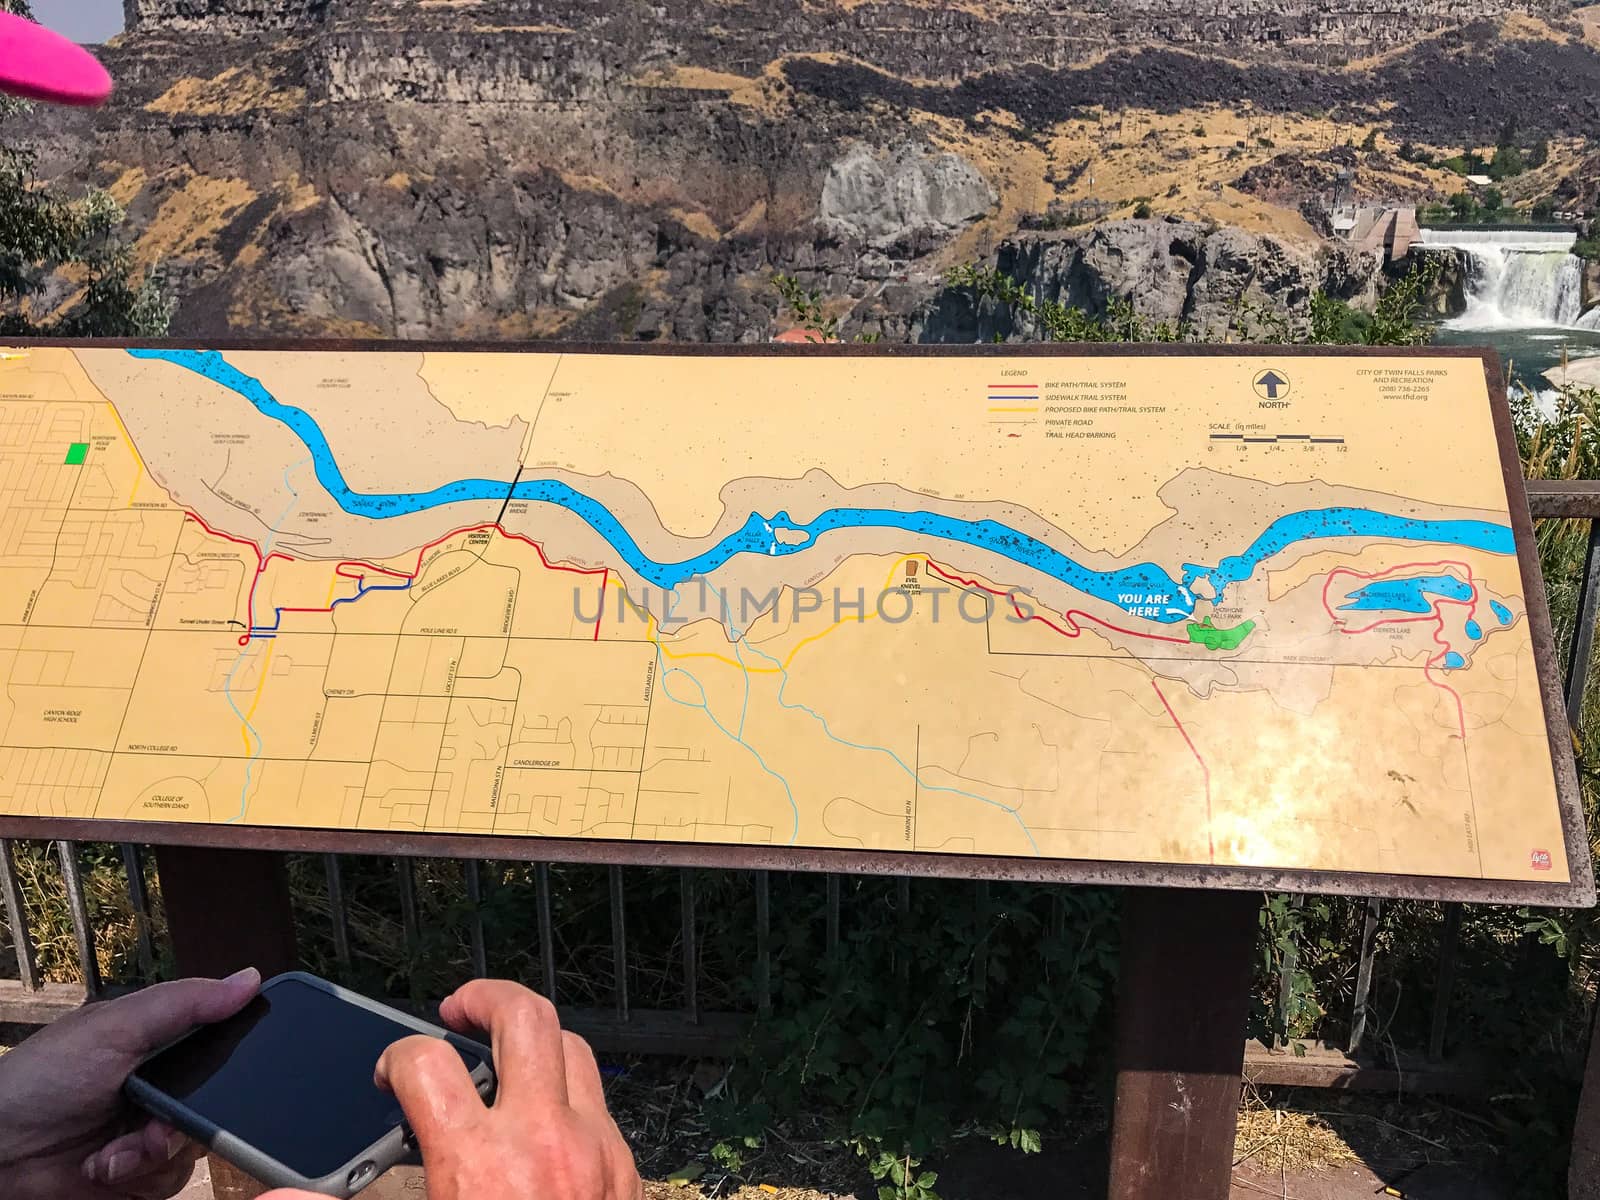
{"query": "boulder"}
{"type": "Point", "coordinates": [891, 200]}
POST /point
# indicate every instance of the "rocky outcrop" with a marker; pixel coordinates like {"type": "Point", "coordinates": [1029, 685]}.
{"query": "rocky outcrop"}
{"type": "Point", "coordinates": [888, 201]}
{"type": "Point", "coordinates": [930, 41]}
{"type": "Point", "coordinates": [223, 16]}
{"type": "Point", "coordinates": [1448, 295]}
{"type": "Point", "coordinates": [1177, 272]}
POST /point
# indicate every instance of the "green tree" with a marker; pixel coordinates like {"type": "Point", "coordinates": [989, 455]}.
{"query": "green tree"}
{"type": "Point", "coordinates": [1493, 202]}
{"type": "Point", "coordinates": [1508, 161]}
{"type": "Point", "coordinates": [1463, 207]}
{"type": "Point", "coordinates": [50, 243]}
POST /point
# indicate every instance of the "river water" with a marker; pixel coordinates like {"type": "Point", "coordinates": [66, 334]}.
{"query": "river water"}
{"type": "Point", "coordinates": [1143, 590]}
{"type": "Point", "coordinates": [1529, 351]}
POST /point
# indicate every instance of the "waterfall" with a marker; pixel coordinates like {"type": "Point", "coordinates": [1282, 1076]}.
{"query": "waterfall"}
{"type": "Point", "coordinates": [1516, 279]}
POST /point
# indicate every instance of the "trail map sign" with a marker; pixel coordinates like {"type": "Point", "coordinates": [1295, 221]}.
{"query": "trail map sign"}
{"type": "Point", "coordinates": [1255, 617]}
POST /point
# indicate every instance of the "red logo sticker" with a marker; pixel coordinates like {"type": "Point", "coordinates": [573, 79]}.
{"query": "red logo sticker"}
{"type": "Point", "coordinates": [1539, 860]}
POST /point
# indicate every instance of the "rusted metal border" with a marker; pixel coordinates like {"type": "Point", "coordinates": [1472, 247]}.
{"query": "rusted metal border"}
{"type": "Point", "coordinates": [1578, 892]}
{"type": "Point", "coordinates": [1577, 499]}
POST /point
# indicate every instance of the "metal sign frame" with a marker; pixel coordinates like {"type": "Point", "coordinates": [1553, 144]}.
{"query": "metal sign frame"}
{"type": "Point", "coordinates": [1579, 892]}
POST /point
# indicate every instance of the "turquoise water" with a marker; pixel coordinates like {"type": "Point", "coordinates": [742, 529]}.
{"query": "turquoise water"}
{"type": "Point", "coordinates": [1501, 612]}
{"type": "Point", "coordinates": [1408, 595]}
{"type": "Point", "coordinates": [1528, 352]}
{"type": "Point", "coordinates": [1452, 660]}
{"type": "Point", "coordinates": [1143, 589]}
{"type": "Point", "coordinates": [1474, 630]}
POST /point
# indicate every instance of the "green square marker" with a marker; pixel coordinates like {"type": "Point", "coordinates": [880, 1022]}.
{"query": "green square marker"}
{"type": "Point", "coordinates": [76, 453]}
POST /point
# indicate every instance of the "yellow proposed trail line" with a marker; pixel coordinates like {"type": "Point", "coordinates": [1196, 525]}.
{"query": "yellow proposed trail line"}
{"type": "Point", "coordinates": [255, 700]}
{"type": "Point", "coordinates": [138, 463]}
{"type": "Point", "coordinates": [799, 646]}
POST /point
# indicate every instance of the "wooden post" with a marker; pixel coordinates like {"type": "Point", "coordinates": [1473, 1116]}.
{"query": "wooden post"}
{"type": "Point", "coordinates": [227, 910]}
{"type": "Point", "coordinates": [1583, 1174]}
{"type": "Point", "coordinates": [1183, 999]}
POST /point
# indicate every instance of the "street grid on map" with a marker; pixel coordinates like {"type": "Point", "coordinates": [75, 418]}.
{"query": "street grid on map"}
{"type": "Point", "coordinates": [1203, 612]}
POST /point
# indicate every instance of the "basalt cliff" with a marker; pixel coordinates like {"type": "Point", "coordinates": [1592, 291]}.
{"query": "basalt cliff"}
{"type": "Point", "coordinates": [617, 169]}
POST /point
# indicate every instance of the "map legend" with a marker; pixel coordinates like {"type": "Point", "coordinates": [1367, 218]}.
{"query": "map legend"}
{"type": "Point", "coordinates": [1013, 404]}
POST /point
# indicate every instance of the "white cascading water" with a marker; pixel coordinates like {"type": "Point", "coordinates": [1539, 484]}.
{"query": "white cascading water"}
{"type": "Point", "coordinates": [1518, 280]}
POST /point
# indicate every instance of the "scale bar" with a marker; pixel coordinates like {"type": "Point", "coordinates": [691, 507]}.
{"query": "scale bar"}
{"type": "Point", "coordinates": [1277, 437]}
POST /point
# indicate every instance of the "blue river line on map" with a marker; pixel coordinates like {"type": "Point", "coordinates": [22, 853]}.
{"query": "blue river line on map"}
{"type": "Point", "coordinates": [1145, 590]}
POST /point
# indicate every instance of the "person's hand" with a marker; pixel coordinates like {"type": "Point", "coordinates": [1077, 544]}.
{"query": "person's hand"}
{"type": "Point", "coordinates": [65, 1131]}
{"type": "Point", "coordinates": [548, 1135]}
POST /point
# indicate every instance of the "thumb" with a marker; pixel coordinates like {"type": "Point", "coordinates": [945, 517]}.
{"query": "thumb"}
{"type": "Point", "coordinates": [143, 1022]}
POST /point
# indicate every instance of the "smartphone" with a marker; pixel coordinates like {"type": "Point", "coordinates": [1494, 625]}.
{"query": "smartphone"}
{"type": "Point", "coordinates": [284, 1091]}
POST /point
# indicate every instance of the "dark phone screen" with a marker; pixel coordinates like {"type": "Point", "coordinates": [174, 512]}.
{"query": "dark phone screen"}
{"type": "Point", "coordinates": [290, 1075]}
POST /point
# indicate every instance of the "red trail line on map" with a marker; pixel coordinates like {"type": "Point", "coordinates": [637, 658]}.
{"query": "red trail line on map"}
{"type": "Point", "coordinates": [1071, 617]}
{"type": "Point", "coordinates": [340, 568]}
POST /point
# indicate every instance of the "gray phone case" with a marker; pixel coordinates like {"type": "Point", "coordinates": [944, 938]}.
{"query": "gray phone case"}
{"type": "Point", "coordinates": [394, 1148]}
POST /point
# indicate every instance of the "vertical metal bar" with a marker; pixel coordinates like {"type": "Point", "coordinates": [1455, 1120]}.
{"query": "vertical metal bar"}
{"type": "Point", "coordinates": [408, 905]}
{"type": "Point", "coordinates": [980, 950]}
{"type": "Point", "coordinates": [833, 912]}
{"type": "Point", "coordinates": [1286, 973]}
{"type": "Point", "coordinates": [338, 914]}
{"type": "Point", "coordinates": [82, 929]}
{"type": "Point", "coordinates": [1449, 944]}
{"type": "Point", "coordinates": [1581, 651]}
{"type": "Point", "coordinates": [619, 943]}
{"type": "Point", "coordinates": [1358, 1015]}
{"type": "Point", "coordinates": [691, 948]}
{"type": "Point", "coordinates": [547, 935]}
{"type": "Point", "coordinates": [17, 918]}
{"type": "Point", "coordinates": [139, 900]}
{"type": "Point", "coordinates": [480, 955]}
{"type": "Point", "coordinates": [902, 902]}
{"type": "Point", "coordinates": [763, 943]}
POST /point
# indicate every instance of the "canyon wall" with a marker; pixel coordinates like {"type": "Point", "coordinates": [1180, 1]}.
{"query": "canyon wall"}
{"type": "Point", "coordinates": [514, 168]}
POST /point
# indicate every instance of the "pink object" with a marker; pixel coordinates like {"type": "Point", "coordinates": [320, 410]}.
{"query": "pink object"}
{"type": "Point", "coordinates": [40, 64]}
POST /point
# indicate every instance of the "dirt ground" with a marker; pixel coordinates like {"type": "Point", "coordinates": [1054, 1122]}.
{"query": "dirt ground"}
{"type": "Point", "coordinates": [1427, 1152]}
{"type": "Point", "coordinates": [1057, 1179]}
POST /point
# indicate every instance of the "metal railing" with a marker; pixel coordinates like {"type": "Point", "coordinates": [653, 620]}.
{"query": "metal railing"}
{"type": "Point", "coordinates": [687, 1029]}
